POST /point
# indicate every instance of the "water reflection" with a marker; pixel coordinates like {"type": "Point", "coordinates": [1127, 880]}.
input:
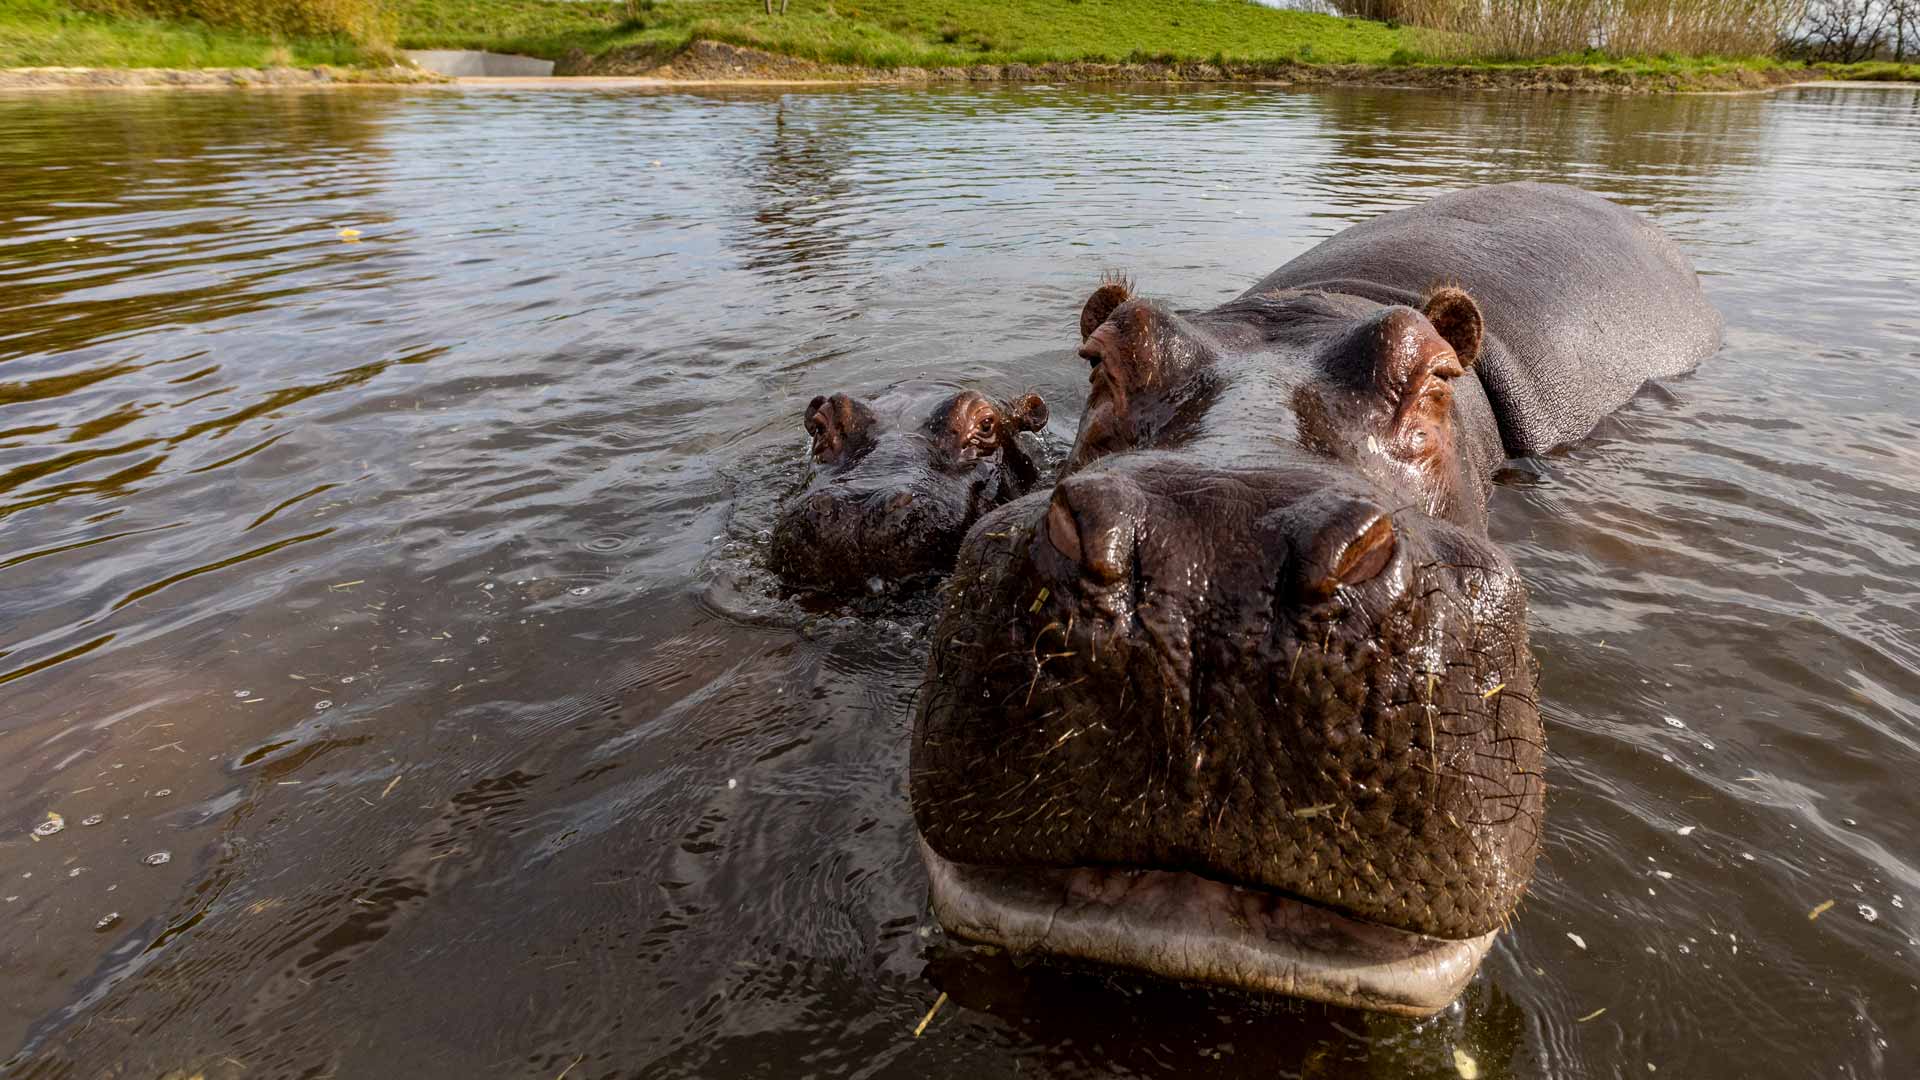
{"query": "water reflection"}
{"type": "Point", "coordinates": [369, 578]}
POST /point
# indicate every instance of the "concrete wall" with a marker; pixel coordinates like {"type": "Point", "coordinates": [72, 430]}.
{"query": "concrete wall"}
{"type": "Point", "coordinates": [464, 62]}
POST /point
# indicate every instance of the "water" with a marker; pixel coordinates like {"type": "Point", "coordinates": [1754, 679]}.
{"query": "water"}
{"type": "Point", "coordinates": [401, 586]}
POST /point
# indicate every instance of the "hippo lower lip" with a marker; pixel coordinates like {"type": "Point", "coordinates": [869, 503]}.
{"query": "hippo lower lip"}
{"type": "Point", "coordinates": [1182, 926]}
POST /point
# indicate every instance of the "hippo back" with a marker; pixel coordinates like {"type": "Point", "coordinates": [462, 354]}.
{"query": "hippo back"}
{"type": "Point", "coordinates": [1584, 300]}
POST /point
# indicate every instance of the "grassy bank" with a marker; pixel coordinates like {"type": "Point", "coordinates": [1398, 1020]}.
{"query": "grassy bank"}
{"type": "Point", "coordinates": [946, 34]}
{"type": "Point", "coordinates": [935, 36]}
{"type": "Point", "coordinates": [911, 33]}
{"type": "Point", "coordinates": [49, 33]}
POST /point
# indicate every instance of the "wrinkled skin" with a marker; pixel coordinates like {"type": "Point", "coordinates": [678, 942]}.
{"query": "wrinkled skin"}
{"type": "Point", "coordinates": [1247, 697]}
{"type": "Point", "coordinates": [892, 504]}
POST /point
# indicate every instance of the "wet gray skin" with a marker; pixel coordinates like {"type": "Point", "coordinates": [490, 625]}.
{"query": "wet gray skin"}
{"type": "Point", "coordinates": [890, 505]}
{"type": "Point", "coordinates": [1247, 698]}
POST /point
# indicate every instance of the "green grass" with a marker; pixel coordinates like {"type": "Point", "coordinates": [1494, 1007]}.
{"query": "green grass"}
{"type": "Point", "coordinates": [47, 33]}
{"type": "Point", "coordinates": [916, 33]}
{"type": "Point", "coordinates": [863, 33]}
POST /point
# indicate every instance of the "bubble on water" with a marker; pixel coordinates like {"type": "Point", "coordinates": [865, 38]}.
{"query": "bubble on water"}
{"type": "Point", "coordinates": [488, 586]}
{"type": "Point", "coordinates": [732, 783]}
{"type": "Point", "coordinates": [53, 824]}
{"type": "Point", "coordinates": [1868, 913]}
{"type": "Point", "coordinates": [1663, 875]}
{"type": "Point", "coordinates": [1686, 830]}
{"type": "Point", "coordinates": [1747, 855]}
{"type": "Point", "coordinates": [322, 706]}
{"type": "Point", "coordinates": [243, 693]}
{"type": "Point", "coordinates": [346, 679]}
{"type": "Point", "coordinates": [1897, 902]}
{"type": "Point", "coordinates": [158, 858]}
{"type": "Point", "coordinates": [93, 819]}
{"type": "Point", "coordinates": [610, 542]}
{"type": "Point", "coordinates": [163, 793]}
{"type": "Point", "coordinates": [76, 871]}
{"type": "Point", "coordinates": [580, 590]}
{"type": "Point", "coordinates": [1577, 939]}
{"type": "Point", "coordinates": [107, 921]}
{"type": "Point", "coordinates": [1708, 744]}
{"type": "Point", "coordinates": [1674, 721]}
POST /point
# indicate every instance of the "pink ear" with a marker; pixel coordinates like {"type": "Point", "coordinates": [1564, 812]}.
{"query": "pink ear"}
{"type": "Point", "coordinates": [1028, 413]}
{"type": "Point", "coordinates": [1111, 294]}
{"type": "Point", "coordinates": [1454, 314]}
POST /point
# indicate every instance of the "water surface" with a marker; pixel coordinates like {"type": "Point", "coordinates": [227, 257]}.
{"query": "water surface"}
{"type": "Point", "coordinates": [400, 585]}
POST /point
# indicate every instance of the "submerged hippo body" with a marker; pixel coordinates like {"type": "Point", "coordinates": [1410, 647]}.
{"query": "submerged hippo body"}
{"type": "Point", "coordinates": [891, 502]}
{"type": "Point", "coordinates": [1247, 697]}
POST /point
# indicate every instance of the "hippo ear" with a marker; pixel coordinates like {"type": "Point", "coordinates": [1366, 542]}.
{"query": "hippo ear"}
{"type": "Point", "coordinates": [1454, 314]}
{"type": "Point", "coordinates": [839, 426]}
{"type": "Point", "coordinates": [1113, 292]}
{"type": "Point", "coordinates": [1027, 413]}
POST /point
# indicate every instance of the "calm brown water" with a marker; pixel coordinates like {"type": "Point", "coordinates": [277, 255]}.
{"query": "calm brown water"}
{"type": "Point", "coordinates": [403, 590]}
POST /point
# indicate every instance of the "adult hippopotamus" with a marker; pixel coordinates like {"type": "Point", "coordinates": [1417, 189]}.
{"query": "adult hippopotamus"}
{"type": "Point", "coordinates": [891, 496]}
{"type": "Point", "coordinates": [1246, 698]}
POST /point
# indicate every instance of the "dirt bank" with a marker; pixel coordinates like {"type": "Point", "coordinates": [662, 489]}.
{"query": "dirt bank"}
{"type": "Point", "coordinates": [61, 78]}
{"type": "Point", "coordinates": [711, 61]}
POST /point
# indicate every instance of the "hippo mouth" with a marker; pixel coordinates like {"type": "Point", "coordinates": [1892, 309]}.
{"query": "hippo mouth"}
{"type": "Point", "coordinates": [1189, 928]}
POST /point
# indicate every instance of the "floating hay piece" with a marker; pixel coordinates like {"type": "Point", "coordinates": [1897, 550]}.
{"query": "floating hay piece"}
{"type": "Point", "coordinates": [1577, 939]}
{"type": "Point", "coordinates": [351, 236]}
{"type": "Point", "coordinates": [1493, 691]}
{"type": "Point", "coordinates": [1038, 600]}
{"type": "Point", "coordinates": [394, 783]}
{"type": "Point", "coordinates": [1313, 811]}
{"type": "Point", "coordinates": [1464, 1064]}
{"type": "Point", "coordinates": [1819, 911]}
{"type": "Point", "coordinates": [928, 1019]}
{"type": "Point", "coordinates": [1595, 1013]}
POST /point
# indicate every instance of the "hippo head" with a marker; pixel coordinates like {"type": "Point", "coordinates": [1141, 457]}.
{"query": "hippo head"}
{"type": "Point", "coordinates": [893, 503]}
{"type": "Point", "coordinates": [1246, 698]}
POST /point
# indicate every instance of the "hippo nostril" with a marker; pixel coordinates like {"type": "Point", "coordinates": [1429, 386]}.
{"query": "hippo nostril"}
{"type": "Point", "coordinates": [1093, 524]}
{"type": "Point", "coordinates": [1062, 533]}
{"type": "Point", "coordinates": [1364, 556]}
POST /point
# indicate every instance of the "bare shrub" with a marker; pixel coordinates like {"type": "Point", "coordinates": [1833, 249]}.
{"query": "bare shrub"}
{"type": "Point", "coordinates": [1518, 29]}
{"type": "Point", "coordinates": [1849, 31]}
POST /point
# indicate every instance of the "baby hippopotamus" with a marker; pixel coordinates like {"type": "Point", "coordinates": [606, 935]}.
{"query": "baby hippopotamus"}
{"type": "Point", "coordinates": [890, 502]}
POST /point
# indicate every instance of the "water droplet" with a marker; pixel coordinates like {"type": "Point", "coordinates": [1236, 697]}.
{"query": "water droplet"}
{"type": "Point", "coordinates": [322, 706]}
{"type": "Point", "coordinates": [93, 819]}
{"type": "Point", "coordinates": [158, 858]}
{"type": "Point", "coordinates": [107, 921]}
{"type": "Point", "coordinates": [53, 824]}
{"type": "Point", "coordinates": [732, 783]}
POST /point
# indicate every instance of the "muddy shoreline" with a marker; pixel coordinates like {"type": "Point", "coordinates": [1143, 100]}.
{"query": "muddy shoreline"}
{"type": "Point", "coordinates": [708, 63]}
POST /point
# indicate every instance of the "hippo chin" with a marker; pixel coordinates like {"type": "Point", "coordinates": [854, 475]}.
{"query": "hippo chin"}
{"type": "Point", "coordinates": [892, 503]}
{"type": "Point", "coordinates": [1247, 699]}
